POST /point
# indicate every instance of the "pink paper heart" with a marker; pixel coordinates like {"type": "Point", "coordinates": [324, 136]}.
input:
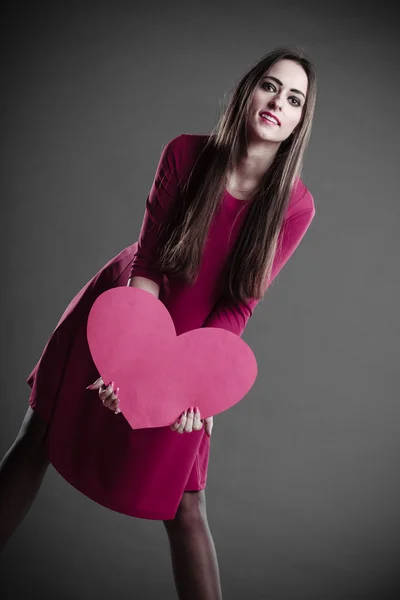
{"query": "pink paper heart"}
{"type": "Point", "coordinates": [133, 341]}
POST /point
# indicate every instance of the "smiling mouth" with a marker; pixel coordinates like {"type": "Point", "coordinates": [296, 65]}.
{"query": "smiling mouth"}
{"type": "Point", "coordinates": [269, 118]}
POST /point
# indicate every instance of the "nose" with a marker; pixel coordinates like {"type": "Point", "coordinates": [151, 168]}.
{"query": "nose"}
{"type": "Point", "coordinates": [276, 101]}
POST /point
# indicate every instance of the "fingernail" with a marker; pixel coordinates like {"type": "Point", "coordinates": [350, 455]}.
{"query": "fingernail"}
{"type": "Point", "coordinates": [196, 409]}
{"type": "Point", "coordinates": [116, 391]}
{"type": "Point", "coordinates": [191, 409]}
{"type": "Point", "coordinates": [112, 383]}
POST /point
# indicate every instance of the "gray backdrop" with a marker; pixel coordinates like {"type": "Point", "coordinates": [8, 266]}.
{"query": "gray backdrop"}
{"type": "Point", "coordinates": [302, 491]}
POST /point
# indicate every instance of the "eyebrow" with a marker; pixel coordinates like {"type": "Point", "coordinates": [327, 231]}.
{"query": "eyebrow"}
{"type": "Point", "coordinates": [280, 83]}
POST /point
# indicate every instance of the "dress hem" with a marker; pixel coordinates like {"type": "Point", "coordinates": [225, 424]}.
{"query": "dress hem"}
{"type": "Point", "coordinates": [135, 513]}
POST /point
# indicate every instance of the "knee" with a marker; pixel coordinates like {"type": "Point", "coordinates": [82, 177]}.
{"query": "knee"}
{"type": "Point", "coordinates": [191, 511]}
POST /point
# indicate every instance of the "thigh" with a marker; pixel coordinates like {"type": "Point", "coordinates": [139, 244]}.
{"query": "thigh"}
{"type": "Point", "coordinates": [33, 427]}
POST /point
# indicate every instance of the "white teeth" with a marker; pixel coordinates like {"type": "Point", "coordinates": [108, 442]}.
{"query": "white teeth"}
{"type": "Point", "coordinates": [269, 118]}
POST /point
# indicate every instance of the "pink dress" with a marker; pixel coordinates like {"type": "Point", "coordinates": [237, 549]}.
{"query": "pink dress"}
{"type": "Point", "coordinates": [143, 473]}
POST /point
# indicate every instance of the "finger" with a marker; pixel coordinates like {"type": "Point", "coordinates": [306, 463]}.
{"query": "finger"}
{"type": "Point", "coordinates": [208, 425]}
{"type": "Point", "coordinates": [106, 391]}
{"type": "Point", "coordinates": [175, 425]}
{"type": "Point", "coordinates": [96, 385]}
{"type": "Point", "coordinates": [108, 401]}
{"type": "Point", "coordinates": [197, 422]}
{"type": "Point", "coordinates": [115, 407]}
{"type": "Point", "coordinates": [182, 423]}
{"type": "Point", "coordinates": [189, 420]}
{"type": "Point", "coordinates": [115, 401]}
{"type": "Point", "coordinates": [107, 395]}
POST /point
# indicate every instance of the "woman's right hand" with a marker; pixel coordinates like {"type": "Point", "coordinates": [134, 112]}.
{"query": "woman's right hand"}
{"type": "Point", "coordinates": [107, 394]}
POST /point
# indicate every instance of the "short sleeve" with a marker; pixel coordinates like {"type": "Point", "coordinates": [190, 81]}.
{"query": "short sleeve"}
{"type": "Point", "coordinates": [163, 192]}
{"type": "Point", "coordinates": [235, 319]}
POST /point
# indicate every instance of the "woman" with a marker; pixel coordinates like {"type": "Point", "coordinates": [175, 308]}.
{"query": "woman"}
{"type": "Point", "coordinates": [224, 214]}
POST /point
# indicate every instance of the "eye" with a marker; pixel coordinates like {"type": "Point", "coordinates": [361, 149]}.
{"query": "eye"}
{"type": "Point", "coordinates": [267, 85]}
{"type": "Point", "coordinates": [296, 100]}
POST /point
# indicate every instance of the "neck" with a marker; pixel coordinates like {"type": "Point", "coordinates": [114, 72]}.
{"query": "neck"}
{"type": "Point", "coordinates": [258, 159]}
{"type": "Point", "coordinates": [252, 167]}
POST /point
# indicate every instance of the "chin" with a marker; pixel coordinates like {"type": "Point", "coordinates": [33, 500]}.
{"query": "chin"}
{"type": "Point", "coordinates": [263, 133]}
{"type": "Point", "coordinates": [266, 136]}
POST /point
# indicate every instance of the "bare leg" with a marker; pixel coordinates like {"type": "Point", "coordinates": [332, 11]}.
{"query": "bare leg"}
{"type": "Point", "coordinates": [21, 474]}
{"type": "Point", "coordinates": [193, 555]}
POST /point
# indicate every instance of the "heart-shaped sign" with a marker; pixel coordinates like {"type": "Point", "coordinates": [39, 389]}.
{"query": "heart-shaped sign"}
{"type": "Point", "coordinates": [133, 342]}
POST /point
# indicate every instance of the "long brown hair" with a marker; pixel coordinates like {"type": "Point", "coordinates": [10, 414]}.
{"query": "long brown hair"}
{"type": "Point", "coordinates": [185, 231]}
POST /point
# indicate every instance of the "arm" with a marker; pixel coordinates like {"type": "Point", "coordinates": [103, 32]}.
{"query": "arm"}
{"type": "Point", "coordinates": [235, 319]}
{"type": "Point", "coordinates": [144, 271]}
{"type": "Point", "coordinates": [144, 283]}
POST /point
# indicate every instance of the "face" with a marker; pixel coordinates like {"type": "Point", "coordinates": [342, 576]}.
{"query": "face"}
{"type": "Point", "coordinates": [280, 97]}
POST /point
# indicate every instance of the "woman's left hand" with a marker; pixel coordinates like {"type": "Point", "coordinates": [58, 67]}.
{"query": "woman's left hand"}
{"type": "Point", "coordinates": [190, 420]}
